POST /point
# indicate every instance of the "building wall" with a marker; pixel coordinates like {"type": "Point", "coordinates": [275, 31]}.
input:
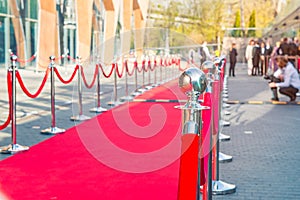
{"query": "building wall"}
{"type": "Point", "coordinates": [105, 14]}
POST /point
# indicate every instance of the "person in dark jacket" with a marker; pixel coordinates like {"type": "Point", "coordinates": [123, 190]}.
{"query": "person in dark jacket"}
{"type": "Point", "coordinates": [284, 47]}
{"type": "Point", "coordinates": [232, 58]}
{"type": "Point", "coordinates": [263, 54]}
{"type": "Point", "coordinates": [256, 59]}
{"type": "Point", "coordinates": [269, 50]}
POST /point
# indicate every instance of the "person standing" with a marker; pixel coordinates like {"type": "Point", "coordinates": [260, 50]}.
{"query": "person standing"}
{"type": "Point", "coordinates": [262, 70]}
{"type": "Point", "coordinates": [249, 56]}
{"type": "Point", "coordinates": [205, 52]}
{"type": "Point", "coordinates": [256, 58]}
{"type": "Point", "coordinates": [268, 53]}
{"type": "Point", "coordinates": [275, 53]}
{"type": "Point", "coordinates": [232, 58]}
{"type": "Point", "coordinates": [284, 47]}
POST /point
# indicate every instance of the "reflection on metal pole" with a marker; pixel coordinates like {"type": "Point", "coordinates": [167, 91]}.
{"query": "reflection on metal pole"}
{"type": "Point", "coordinates": [13, 147]}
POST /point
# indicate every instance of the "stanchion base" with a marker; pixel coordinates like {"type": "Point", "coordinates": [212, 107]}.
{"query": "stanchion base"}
{"type": "Point", "coordinates": [114, 103]}
{"type": "Point", "coordinates": [13, 148]}
{"type": "Point", "coordinates": [149, 87]}
{"type": "Point", "coordinates": [52, 131]}
{"type": "Point", "coordinates": [79, 118]}
{"type": "Point", "coordinates": [100, 93]}
{"type": "Point", "coordinates": [225, 95]}
{"type": "Point", "coordinates": [136, 93]}
{"type": "Point", "coordinates": [142, 90]}
{"type": "Point", "coordinates": [98, 110]}
{"type": "Point", "coordinates": [221, 188]}
{"type": "Point", "coordinates": [225, 123]}
{"type": "Point", "coordinates": [223, 158]}
{"type": "Point", "coordinates": [227, 112]}
{"type": "Point", "coordinates": [226, 105]}
{"type": "Point", "coordinates": [126, 98]}
{"type": "Point", "coordinates": [223, 137]}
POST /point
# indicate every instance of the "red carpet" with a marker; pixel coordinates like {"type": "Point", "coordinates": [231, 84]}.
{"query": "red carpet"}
{"type": "Point", "coordinates": [169, 91]}
{"type": "Point", "coordinates": [130, 152]}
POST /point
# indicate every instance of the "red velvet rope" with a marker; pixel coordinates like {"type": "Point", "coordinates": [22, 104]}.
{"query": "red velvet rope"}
{"type": "Point", "coordinates": [94, 78]}
{"type": "Point", "coordinates": [146, 68]}
{"type": "Point", "coordinates": [27, 60]}
{"type": "Point", "coordinates": [138, 69]}
{"type": "Point", "coordinates": [127, 69]}
{"type": "Point", "coordinates": [178, 62]}
{"type": "Point", "coordinates": [59, 58]}
{"type": "Point", "coordinates": [161, 62]}
{"type": "Point", "coordinates": [70, 58]}
{"type": "Point", "coordinates": [71, 78]}
{"type": "Point", "coordinates": [25, 90]}
{"type": "Point", "coordinates": [110, 73]}
{"type": "Point", "coordinates": [188, 171]}
{"type": "Point", "coordinates": [9, 89]}
{"type": "Point", "coordinates": [182, 69]}
{"type": "Point", "coordinates": [165, 64]}
{"type": "Point", "coordinates": [154, 66]}
{"type": "Point", "coordinates": [120, 74]}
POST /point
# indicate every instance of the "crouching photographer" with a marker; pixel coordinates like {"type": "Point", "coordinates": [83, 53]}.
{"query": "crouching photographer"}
{"type": "Point", "coordinates": [287, 79]}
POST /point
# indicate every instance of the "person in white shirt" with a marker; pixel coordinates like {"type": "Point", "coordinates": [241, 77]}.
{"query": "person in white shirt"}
{"type": "Point", "coordinates": [249, 56]}
{"type": "Point", "coordinates": [206, 51]}
{"type": "Point", "coordinates": [291, 81]}
{"type": "Point", "coordinates": [204, 54]}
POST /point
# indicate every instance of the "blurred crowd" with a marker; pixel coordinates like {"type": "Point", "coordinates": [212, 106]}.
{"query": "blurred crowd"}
{"type": "Point", "coordinates": [260, 55]}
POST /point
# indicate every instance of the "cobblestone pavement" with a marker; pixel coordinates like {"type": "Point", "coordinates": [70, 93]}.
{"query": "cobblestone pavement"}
{"type": "Point", "coordinates": [264, 137]}
{"type": "Point", "coordinates": [264, 142]}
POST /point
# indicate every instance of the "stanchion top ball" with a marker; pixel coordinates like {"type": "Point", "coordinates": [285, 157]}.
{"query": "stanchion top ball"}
{"type": "Point", "coordinates": [13, 58]}
{"type": "Point", "coordinates": [193, 80]}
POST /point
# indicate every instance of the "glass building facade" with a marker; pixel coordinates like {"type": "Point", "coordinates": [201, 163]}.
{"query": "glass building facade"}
{"type": "Point", "coordinates": [29, 10]}
{"type": "Point", "coordinates": [7, 32]}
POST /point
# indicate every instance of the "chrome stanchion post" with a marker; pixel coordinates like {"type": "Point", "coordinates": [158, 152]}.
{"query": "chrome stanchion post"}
{"type": "Point", "coordinates": [221, 157]}
{"type": "Point", "coordinates": [136, 92]}
{"type": "Point", "coordinates": [149, 86]}
{"type": "Point", "coordinates": [155, 72]}
{"type": "Point", "coordinates": [173, 66]}
{"type": "Point", "coordinates": [168, 69]}
{"type": "Point", "coordinates": [115, 102]}
{"type": "Point", "coordinates": [211, 74]}
{"type": "Point", "coordinates": [220, 187]}
{"type": "Point", "coordinates": [163, 70]}
{"type": "Point", "coordinates": [53, 129]}
{"type": "Point", "coordinates": [80, 116]}
{"type": "Point", "coordinates": [135, 74]}
{"type": "Point", "coordinates": [143, 88]}
{"type": "Point", "coordinates": [160, 68]}
{"type": "Point", "coordinates": [13, 147]}
{"type": "Point", "coordinates": [225, 93]}
{"type": "Point", "coordinates": [223, 137]}
{"type": "Point", "coordinates": [127, 97]}
{"type": "Point", "coordinates": [192, 82]}
{"type": "Point", "coordinates": [98, 108]}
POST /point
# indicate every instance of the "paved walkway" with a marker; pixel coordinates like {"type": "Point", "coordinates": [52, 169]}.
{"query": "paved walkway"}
{"type": "Point", "coordinates": [264, 142]}
{"type": "Point", "coordinates": [264, 138]}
